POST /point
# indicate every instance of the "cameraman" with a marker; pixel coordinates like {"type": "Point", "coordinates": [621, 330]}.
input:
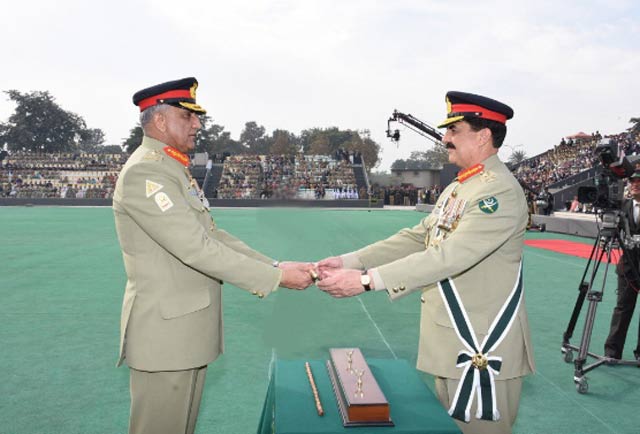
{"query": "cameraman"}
{"type": "Point", "coordinates": [628, 278]}
{"type": "Point", "coordinates": [546, 197]}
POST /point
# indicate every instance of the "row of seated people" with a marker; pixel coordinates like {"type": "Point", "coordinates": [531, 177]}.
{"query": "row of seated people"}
{"type": "Point", "coordinates": [569, 158]}
{"type": "Point", "coordinates": [284, 177]}
{"type": "Point", "coordinates": [240, 177]}
{"type": "Point", "coordinates": [63, 161]}
{"type": "Point", "coordinates": [59, 177]}
{"type": "Point", "coordinates": [36, 175]}
{"type": "Point", "coordinates": [29, 183]}
{"type": "Point", "coordinates": [49, 190]}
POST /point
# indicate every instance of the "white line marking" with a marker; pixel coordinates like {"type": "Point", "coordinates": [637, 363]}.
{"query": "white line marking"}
{"type": "Point", "coordinates": [377, 328]}
{"type": "Point", "coordinates": [271, 363]}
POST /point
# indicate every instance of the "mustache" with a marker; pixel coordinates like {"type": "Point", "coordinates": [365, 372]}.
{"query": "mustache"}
{"type": "Point", "coordinates": [449, 145]}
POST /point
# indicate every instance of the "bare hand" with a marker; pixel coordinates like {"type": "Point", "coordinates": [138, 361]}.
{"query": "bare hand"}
{"type": "Point", "coordinates": [296, 275]}
{"type": "Point", "coordinates": [329, 264]}
{"type": "Point", "coordinates": [341, 283]}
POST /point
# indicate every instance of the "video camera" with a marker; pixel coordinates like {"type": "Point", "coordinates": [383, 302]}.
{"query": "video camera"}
{"type": "Point", "coordinates": [607, 195]}
{"type": "Point", "coordinates": [608, 192]}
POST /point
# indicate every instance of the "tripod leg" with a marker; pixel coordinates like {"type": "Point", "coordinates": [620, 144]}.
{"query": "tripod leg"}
{"type": "Point", "coordinates": [582, 293]}
{"type": "Point", "coordinates": [594, 297]}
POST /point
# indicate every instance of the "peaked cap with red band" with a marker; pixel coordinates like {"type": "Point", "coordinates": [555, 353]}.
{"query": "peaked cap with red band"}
{"type": "Point", "coordinates": [178, 93]}
{"type": "Point", "coordinates": [461, 105]}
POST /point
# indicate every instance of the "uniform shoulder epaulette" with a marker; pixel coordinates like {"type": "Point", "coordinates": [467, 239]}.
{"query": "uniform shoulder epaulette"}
{"type": "Point", "coordinates": [177, 155]}
{"type": "Point", "coordinates": [487, 176]}
{"type": "Point", "coordinates": [152, 155]}
{"type": "Point", "coordinates": [472, 171]}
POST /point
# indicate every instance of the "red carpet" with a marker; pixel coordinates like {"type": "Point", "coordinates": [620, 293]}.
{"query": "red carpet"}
{"type": "Point", "coordinates": [572, 248]}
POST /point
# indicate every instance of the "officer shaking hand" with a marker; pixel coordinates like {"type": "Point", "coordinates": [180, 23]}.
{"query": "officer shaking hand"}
{"type": "Point", "coordinates": [176, 259]}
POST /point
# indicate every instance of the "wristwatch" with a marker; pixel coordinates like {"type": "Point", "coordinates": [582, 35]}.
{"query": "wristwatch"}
{"type": "Point", "coordinates": [365, 280]}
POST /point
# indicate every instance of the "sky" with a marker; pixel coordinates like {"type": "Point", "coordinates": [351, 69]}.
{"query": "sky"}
{"type": "Point", "coordinates": [564, 66]}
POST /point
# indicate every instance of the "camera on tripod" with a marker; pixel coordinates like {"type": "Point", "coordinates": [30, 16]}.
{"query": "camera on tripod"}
{"type": "Point", "coordinates": [607, 197]}
{"type": "Point", "coordinates": [608, 192]}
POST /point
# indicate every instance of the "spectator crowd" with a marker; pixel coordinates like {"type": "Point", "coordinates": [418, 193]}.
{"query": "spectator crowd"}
{"type": "Point", "coordinates": [287, 177]}
{"type": "Point", "coordinates": [87, 175]}
{"type": "Point", "coordinates": [62, 175]}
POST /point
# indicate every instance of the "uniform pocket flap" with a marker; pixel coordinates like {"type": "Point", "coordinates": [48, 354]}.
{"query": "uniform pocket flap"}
{"type": "Point", "coordinates": [181, 303]}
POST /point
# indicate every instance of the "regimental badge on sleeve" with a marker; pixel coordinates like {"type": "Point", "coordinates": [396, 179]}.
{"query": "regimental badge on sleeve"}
{"type": "Point", "coordinates": [163, 201]}
{"type": "Point", "coordinates": [152, 187]}
{"type": "Point", "coordinates": [488, 205]}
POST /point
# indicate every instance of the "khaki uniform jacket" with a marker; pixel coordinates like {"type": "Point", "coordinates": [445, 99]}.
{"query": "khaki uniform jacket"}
{"type": "Point", "coordinates": [481, 254]}
{"type": "Point", "coordinates": [176, 259]}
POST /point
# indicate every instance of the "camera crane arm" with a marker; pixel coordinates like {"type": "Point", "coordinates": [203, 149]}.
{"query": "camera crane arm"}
{"type": "Point", "coordinates": [413, 123]}
{"type": "Point", "coordinates": [429, 132]}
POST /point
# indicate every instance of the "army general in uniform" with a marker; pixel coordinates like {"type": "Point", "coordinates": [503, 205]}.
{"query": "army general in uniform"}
{"type": "Point", "coordinates": [466, 259]}
{"type": "Point", "coordinates": [176, 259]}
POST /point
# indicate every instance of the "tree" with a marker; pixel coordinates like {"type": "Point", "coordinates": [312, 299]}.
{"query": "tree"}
{"type": "Point", "coordinates": [319, 146]}
{"type": "Point", "coordinates": [284, 143]}
{"type": "Point", "coordinates": [432, 158]}
{"type": "Point", "coordinates": [517, 157]}
{"type": "Point", "coordinates": [326, 141]}
{"type": "Point", "coordinates": [367, 147]}
{"type": "Point", "coordinates": [40, 124]}
{"type": "Point", "coordinates": [91, 140]}
{"type": "Point", "coordinates": [253, 138]}
{"type": "Point", "coordinates": [335, 138]}
{"type": "Point", "coordinates": [110, 149]}
{"type": "Point", "coordinates": [134, 140]}
{"type": "Point", "coordinates": [207, 135]}
{"type": "Point", "coordinates": [635, 128]}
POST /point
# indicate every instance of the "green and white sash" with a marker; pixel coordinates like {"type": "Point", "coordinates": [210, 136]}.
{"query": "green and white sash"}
{"type": "Point", "coordinates": [479, 367]}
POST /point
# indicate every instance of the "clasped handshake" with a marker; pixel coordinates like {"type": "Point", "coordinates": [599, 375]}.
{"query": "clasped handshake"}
{"type": "Point", "coordinates": [328, 275]}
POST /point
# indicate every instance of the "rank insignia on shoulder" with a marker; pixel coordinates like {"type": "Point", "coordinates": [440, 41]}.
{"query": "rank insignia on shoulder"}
{"type": "Point", "coordinates": [152, 187]}
{"type": "Point", "coordinates": [488, 205]}
{"type": "Point", "coordinates": [163, 201]}
{"type": "Point", "coordinates": [152, 156]}
{"type": "Point", "coordinates": [487, 176]}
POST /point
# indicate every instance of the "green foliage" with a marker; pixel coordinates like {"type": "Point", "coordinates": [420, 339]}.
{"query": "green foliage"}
{"type": "Point", "coordinates": [284, 143]}
{"type": "Point", "coordinates": [40, 124]}
{"type": "Point", "coordinates": [517, 157]}
{"type": "Point", "coordinates": [91, 140]}
{"type": "Point", "coordinates": [432, 158]}
{"type": "Point", "coordinates": [134, 140]}
{"type": "Point", "coordinates": [335, 137]}
{"type": "Point", "coordinates": [110, 149]}
{"type": "Point", "coordinates": [635, 128]}
{"type": "Point", "coordinates": [253, 139]}
{"type": "Point", "coordinates": [326, 141]}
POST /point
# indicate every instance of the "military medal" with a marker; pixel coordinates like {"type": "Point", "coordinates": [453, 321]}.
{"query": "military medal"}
{"type": "Point", "coordinates": [449, 216]}
{"type": "Point", "coordinates": [197, 191]}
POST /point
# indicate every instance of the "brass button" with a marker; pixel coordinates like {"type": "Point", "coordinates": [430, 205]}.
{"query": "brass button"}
{"type": "Point", "coordinates": [254, 292]}
{"type": "Point", "coordinates": [395, 290]}
{"type": "Point", "coordinates": [402, 288]}
{"type": "Point", "coordinates": [260, 295]}
{"type": "Point", "coordinates": [422, 300]}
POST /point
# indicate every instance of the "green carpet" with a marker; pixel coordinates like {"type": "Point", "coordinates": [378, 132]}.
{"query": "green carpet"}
{"type": "Point", "coordinates": [61, 285]}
